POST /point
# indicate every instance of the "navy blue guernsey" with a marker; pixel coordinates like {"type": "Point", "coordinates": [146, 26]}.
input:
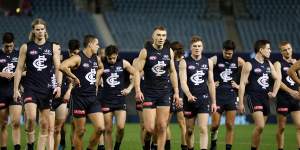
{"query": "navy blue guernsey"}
{"type": "Point", "coordinates": [287, 80]}
{"type": "Point", "coordinates": [39, 62]}
{"type": "Point", "coordinates": [225, 71]}
{"type": "Point", "coordinates": [197, 75]}
{"type": "Point", "coordinates": [113, 82]}
{"type": "Point", "coordinates": [8, 63]}
{"type": "Point", "coordinates": [156, 71]}
{"type": "Point", "coordinates": [86, 73]}
{"type": "Point", "coordinates": [259, 79]}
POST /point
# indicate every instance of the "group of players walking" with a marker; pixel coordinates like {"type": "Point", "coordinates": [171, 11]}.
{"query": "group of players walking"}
{"type": "Point", "coordinates": [91, 84]}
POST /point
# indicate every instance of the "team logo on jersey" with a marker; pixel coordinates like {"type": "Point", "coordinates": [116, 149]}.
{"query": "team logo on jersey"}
{"type": "Point", "coordinates": [268, 69]}
{"type": "Point", "coordinates": [85, 65]}
{"type": "Point", "coordinates": [95, 64]}
{"type": "Point", "coordinates": [263, 81]}
{"type": "Point", "coordinates": [285, 68]}
{"type": "Point", "coordinates": [14, 59]}
{"type": "Point", "coordinates": [191, 67]}
{"type": "Point", "coordinates": [152, 58]}
{"type": "Point", "coordinates": [290, 80]}
{"type": "Point", "coordinates": [47, 52]}
{"type": "Point", "coordinates": [33, 52]}
{"type": "Point", "coordinates": [166, 57]}
{"type": "Point", "coordinates": [221, 65]}
{"type": "Point", "coordinates": [91, 76]}
{"type": "Point", "coordinates": [204, 66]}
{"type": "Point", "coordinates": [257, 70]}
{"type": "Point", "coordinates": [119, 69]}
{"type": "Point", "coordinates": [9, 68]}
{"type": "Point", "coordinates": [225, 75]}
{"type": "Point", "coordinates": [39, 63]}
{"type": "Point", "coordinates": [158, 68]}
{"type": "Point", "coordinates": [232, 65]}
{"type": "Point", "coordinates": [197, 77]}
{"type": "Point", "coordinates": [2, 60]}
{"type": "Point", "coordinates": [112, 80]}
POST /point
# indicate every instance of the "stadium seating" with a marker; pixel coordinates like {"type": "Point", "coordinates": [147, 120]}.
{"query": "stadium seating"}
{"type": "Point", "coordinates": [131, 22]}
{"type": "Point", "coordinates": [275, 20]}
{"type": "Point", "coordinates": [64, 21]}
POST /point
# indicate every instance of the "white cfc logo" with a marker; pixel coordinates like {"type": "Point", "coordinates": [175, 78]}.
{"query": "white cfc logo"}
{"type": "Point", "coordinates": [263, 81]}
{"type": "Point", "coordinates": [290, 80]}
{"type": "Point", "coordinates": [157, 69]}
{"type": "Point", "coordinates": [197, 77]}
{"type": "Point", "coordinates": [9, 68]}
{"type": "Point", "coordinates": [91, 76]}
{"type": "Point", "coordinates": [225, 75]}
{"type": "Point", "coordinates": [39, 63]}
{"type": "Point", "coordinates": [112, 80]}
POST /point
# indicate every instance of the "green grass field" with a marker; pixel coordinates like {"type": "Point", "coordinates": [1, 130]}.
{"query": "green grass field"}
{"type": "Point", "coordinates": [242, 138]}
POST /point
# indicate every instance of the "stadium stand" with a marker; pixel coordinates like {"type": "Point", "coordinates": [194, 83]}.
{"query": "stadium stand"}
{"type": "Point", "coordinates": [131, 22]}
{"type": "Point", "coordinates": [275, 20]}
{"type": "Point", "coordinates": [64, 21]}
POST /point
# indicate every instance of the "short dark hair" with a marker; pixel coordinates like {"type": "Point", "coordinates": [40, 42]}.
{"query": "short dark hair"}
{"type": "Point", "coordinates": [160, 27]}
{"type": "Point", "coordinates": [283, 43]}
{"type": "Point", "coordinates": [178, 48]}
{"type": "Point", "coordinates": [228, 45]}
{"type": "Point", "coordinates": [195, 39]}
{"type": "Point", "coordinates": [260, 44]}
{"type": "Point", "coordinates": [88, 39]}
{"type": "Point", "coordinates": [111, 49]}
{"type": "Point", "coordinates": [73, 44]}
{"type": "Point", "coordinates": [8, 37]}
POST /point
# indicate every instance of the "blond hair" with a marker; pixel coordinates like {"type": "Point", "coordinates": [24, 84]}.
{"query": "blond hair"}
{"type": "Point", "coordinates": [33, 24]}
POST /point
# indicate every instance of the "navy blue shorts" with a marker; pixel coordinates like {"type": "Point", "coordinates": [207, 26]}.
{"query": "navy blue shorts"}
{"type": "Point", "coordinates": [258, 104]}
{"type": "Point", "coordinates": [192, 109]}
{"type": "Point", "coordinates": [41, 99]}
{"type": "Point", "coordinates": [174, 108]}
{"type": "Point", "coordinates": [6, 101]}
{"type": "Point", "coordinates": [84, 105]}
{"type": "Point", "coordinates": [55, 103]}
{"type": "Point", "coordinates": [285, 104]}
{"type": "Point", "coordinates": [152, 101]}
{"type": "Point", "coordinates": [111, 108]}
{"type": "Point", "coordinates": [139, 106]}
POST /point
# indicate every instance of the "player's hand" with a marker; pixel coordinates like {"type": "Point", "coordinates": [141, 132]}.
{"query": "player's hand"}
{"type": "Point", "coordinates": [139, 96]}
{"type": "Point", "coordinates": [295, 94]}
{"type": "Point", "coordinates": [125, 92]}
{"type": "Point", "coordinates": [241, 108]}
{"type": "Point", "coordinates": [192, 98]}
{"type": "Point", "coordinates": [76, 81]}
{"type": "Point", "coordinates": [213, 108]}
{"type": "Point", "coordinates": [7, 75]}
{"type": "Point", "coordinates": [57, 92]}
{"type": "Point", "coordinates": [176, 99]}
{"type": "Point", "coordinates": [271, 95]}
{"type": "Point", "coordinates": [217, 83]}
{"type": "Point", "coordinates": [180, 104]}
{"type": "Point", "coordinates": [16, 96]}
{"type": "Point", "coordinates": [234, 85]}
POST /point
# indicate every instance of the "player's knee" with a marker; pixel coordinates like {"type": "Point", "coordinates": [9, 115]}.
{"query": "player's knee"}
{"type": "Point", "coordinates": [57, 130]}
{"type": "Point", "coordinates": [100, 130]}
{"type": "Point", "coordinates": [280, 130]}
{"type": "Point", "coordinates": [203, 129]}
{"type": "Point", "coordinates": [15, 124]}
{"type": "Point", "coordinates": [162, 127]}
{"type": "Point", "coordinates": [189, 131]}
{"type": "Point", "coordinates": [3, 126]}
{"type": "Point", "coordinates": [229, 126]}
{"type": "Point", "coordinates": [120, 131]}
{"type": "Point", "coordinates": [260, 128]}
{"type": "Point", "coordinates": [80, 131]}
{"type": "Point", "coordinates": [149, 130]}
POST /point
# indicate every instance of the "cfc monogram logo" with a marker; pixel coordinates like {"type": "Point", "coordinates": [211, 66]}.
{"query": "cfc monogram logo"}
{"type": "Point", "coordinates": [112, 80]}
{"type": "Point", "coordinates": [39, 63]}
{"type": "Point", "coordinates": [9, 68]}
{"type": "Point", "coordinates": [197, 77]}
{"type": "Point", "coordinates": [91, 76]}
{"type": "Point", "coordinates": [225, 75]}
{"type": "Point", "coordinates": [158, 68]}
{"type": "Point", "coordinates": [263, 81]}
